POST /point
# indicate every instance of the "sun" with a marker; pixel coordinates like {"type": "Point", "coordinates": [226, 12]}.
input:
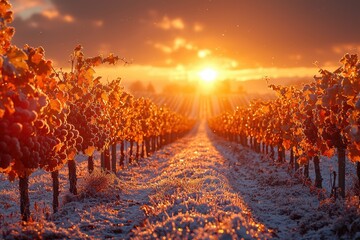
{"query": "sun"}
{"type": "Point", "coordinates": [208, 75]}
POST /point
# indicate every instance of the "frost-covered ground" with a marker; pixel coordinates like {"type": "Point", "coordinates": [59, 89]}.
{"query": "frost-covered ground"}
{"type": "Point", "coordinates": [199, 187]}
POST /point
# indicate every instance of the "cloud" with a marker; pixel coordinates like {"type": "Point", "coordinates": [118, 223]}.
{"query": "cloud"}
{"type": "Point", "coordinates": [177, 44]}
{"type": "Point", "coordinates": [26, 8]}
{"type": "Point", "coordinates": [53, 14]}
{"type": "Point", "coordinates": [258, 33]}
{"type": "Point", "coordinates": [50, 14]}
{"type": "Point", "coordinates": [98, 23]}
{"type": "Point", "coordinates": [203, 53]}
{"type": "Point", "coordinates": [68, 18]}
{"type": "Point", "coordinates": [163, 48]}
{"type": "Point", "coordinates": [183, 43]}
{"type": "Point", "coordinates": [198, 27]}
{"type": "Point", "coordinates": [167, 23]}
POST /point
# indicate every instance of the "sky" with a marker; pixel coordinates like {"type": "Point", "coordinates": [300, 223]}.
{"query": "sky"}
{"type": "Point", "coordinates": [174, 40]}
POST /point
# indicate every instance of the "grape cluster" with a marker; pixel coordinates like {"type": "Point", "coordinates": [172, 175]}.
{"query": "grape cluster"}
{"type": "Point", "coordinates": [60, 146]}
{"type": "Point", "coordinates": [18, 141]}
{"type": "Point", "coordinates": [85, 120]}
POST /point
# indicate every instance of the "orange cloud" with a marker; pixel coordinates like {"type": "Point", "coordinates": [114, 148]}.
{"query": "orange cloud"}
{"type": "Point", "coordinates": [167, 23]}
{"type": "Point", "coordinates": [68, 18]}
{"type": "Point", "coordinates": [163, 48]}
{"type": "Point", "coordinates": [50, 13]}
{"type": "Point", "coordinates": [33, 24]}
{"type": "Point", "coordinates": [177, 44]}
{"type": "Point", "coordinates": [198, 27]}
{"type": "Point", "coordinates": [26, 8]}
{"type": "Point", "coordinates": [203, 53]}
{"type": "Point", "coordinates": [98, 23]}
{"type": "Point", "coordinates": [53, 14]}
{"type": "Point", "coordinates": [182, 43]}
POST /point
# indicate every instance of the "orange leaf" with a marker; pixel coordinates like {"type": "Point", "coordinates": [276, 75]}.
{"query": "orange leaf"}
{"type": "Point", "coordinates": [105, 97]}
{"type": "Point", "coordinates": [286, 144]}
{"type": "Point", "coordinates": [61, 96]}
{"type": "Point", "coordinates": [89, 151]}
{"type": "Point", "coordinates": [312, 153]}
{"type": "Point", "coordinates": [57, 147]}
{"type": "Point", "coordinates": [62, 86]}
{"type": "Point", "coordinates": [322, 115]}
{"type": "Point", "coordinates": [17, 58]}
{"type": "Point", "coordinates": [354, 158]}
{"type": "Point", "coordinates": [329, 152]}
{"type": "Point", "coordinates": [55, 105]}
{"type": "Point", "coordinates": [303, 160]}
{"type": "Point", "coordinates": [97, 80]}
{"type": "Point", "coordinates": [36, 58]}
{"type": "Point", "coordinates": [89, 75]}
{"type": "Point", "coordinates": [9, 105]}
{"type": "Point", "coordinates": [2, 112]}
{"type": "Point", "coordinates": [71, 153]}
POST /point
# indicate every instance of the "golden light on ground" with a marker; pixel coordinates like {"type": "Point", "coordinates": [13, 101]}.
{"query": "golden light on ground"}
{"type": "Point", "coordinates": [208, 75]}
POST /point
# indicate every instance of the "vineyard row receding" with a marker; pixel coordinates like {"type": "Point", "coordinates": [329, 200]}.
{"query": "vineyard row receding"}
{"type": "Point", "coordinates": [47, 117]}
{"type": "Point", "coordinates": [321, 119]}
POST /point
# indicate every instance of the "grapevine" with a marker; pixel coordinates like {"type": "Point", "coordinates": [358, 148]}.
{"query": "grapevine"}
{"type": "Point", "coordinates": [48, 117]}
{"type": "Point", "coordinates": [318, 120]}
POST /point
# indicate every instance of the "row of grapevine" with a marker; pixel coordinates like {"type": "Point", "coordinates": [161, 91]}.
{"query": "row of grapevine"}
{"type": "Point", "coordinates": [321, 119]}
{"type": "Point", "coordinates": [47, 117]}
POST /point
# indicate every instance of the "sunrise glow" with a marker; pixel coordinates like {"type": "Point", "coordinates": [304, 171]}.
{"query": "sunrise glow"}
{"type": "Point", "coordinates": [161, 119]}
{"type": "Point", "coordinates": [208, 75]}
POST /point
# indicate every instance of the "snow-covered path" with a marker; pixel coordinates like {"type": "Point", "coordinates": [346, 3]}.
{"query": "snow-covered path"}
{"type": "Point", "coordinates": [192, 196]}
{"type": "Point", "coordinates": [200, 187]}
{"type": "Point", "coordinates": [206, 187]}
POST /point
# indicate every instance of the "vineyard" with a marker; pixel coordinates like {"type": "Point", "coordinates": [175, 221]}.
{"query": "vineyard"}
{"type": "Point", "coordinates": [49, 116]}
{"type": "Point", "coordinates": [321, 119]}
{"type": "Point", "coordinates": [81, 158]}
